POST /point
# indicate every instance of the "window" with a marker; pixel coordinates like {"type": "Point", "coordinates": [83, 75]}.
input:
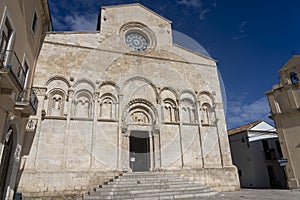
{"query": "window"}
{"type": "Point", "coordinates": [6, 36]}
{"type": "Point", "coordinates": [188, 111]}
{"type": "Point", "coordinates": [294, 77]}
{"type": "Point", "coordinates": [34, 23]}
{"type": "Point", "coordinates": [278, 149]}
{"type": "Point", "coordinates": [56, 103]}
{"type": "Point", "coordinates": [170, 111]}
{"type": "Point", "coordinates": [107, 106]}
{"type": "Point", "coordinates": [266, 149]}
{"type": "Point", "coordinates": [26, 67]}
{"type": "Point", "coordinates": [207, 114]}
{"type": "Point", "coordinates": [83, 105]}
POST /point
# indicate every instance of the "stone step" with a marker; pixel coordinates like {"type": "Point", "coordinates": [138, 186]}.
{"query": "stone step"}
{"type": "Point", "coordinates": [148, 190]}
{"type": "Point", "coordinates": [154, 181]}
{"type": "Point", "coordinates": [144, 187]}
{"type": "Point", "coordinates": [147, 174]}
{"type": "Point", "coordinates": [147, 185]}
{"type": "Point", "coordinates": [148, 178]}
{"type": "Point", "coordinates": [161, 195]}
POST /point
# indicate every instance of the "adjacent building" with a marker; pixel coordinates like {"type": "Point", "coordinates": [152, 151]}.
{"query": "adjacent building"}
{"type": "Point", "coordinates": [22, 28]}
{"type": "Point", "coordinates": [125, 98]}
{"type": "Point", "coordinates": [284, 101]}
{"type": "Point", "coordinates": [255, 151]}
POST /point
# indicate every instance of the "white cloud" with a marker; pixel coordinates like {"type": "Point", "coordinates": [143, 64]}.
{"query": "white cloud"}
{"type": "Point", "coordinates": [190, 3]}
{"type": "Point", "coordinates": [57, 23]}
{"type": "Point", "coordinates": [240, 113]}
{"type": "Point", "coordinates": [202, 7]}
{"type": "Point", "coordinates": [203, 13]}
{"type": "Point", "coordinates": [81, 22]}
{"type": "Point", "coordinates": [242, 26]}
{"type": "Point", "coordinates": [242, 32]}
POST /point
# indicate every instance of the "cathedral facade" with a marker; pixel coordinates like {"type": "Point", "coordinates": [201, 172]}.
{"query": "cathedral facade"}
{"type": "Point", "coordinates": [125, 98]}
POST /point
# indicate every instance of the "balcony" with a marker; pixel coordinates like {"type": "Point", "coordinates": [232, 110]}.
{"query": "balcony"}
{"type": "Point", "coordinates": [12, 74]}
{"type": "Point", "coordinates": [27, 101]}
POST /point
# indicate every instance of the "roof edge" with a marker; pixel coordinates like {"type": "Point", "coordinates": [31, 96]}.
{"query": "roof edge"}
{"type": "Point", "coordinates": [140, 5]}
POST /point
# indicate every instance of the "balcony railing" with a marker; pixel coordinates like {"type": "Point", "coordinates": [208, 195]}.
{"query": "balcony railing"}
{"type": "Point", "coordinates": [28, 97]}
{"type": "Point", "coordinates": [9, 61]}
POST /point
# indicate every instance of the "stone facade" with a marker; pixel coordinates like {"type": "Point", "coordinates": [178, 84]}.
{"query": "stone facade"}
{"type": "Point", "coordinates": [284, 101]}
{"type": "Point", "coordinates": [125, 99]}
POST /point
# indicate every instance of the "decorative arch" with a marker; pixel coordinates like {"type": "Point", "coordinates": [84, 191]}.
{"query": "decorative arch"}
{"type": "Point", "coordinates": [187, 106]}
{"type": "Point", "coordinates": [143, 79]}
{"type": "Point", "coordinates": [57, 77]}
{"type": "Point", "coordinates": [206, 105]}
{"type": "Point", "coordinates": [57, 98]}
{"type": "Point", "coordinates": [85, 80]}
{"type": "Point", "coordinates": [82, 104]}
{"type": "Point", "coordinates": [170, 110]}
{"type": "Point", "coordinates": [111, 83]}
{"type": "Point", "coordinates": [7, 156]}
{"type": "Point", "coordinates": [11, 141]}
{"type": "Point", "coordinates": [190, 92]}
{"type": "Point", "coordinates": [173, 91]}
{"type": "Point", "coordinates": [141, 112]}
{"type": "Point", "coordinates": [108, 106]}
{"type": "Point", "coordinates": [13, 123]}
{"type": "Point", "coordinates": [206, 93]}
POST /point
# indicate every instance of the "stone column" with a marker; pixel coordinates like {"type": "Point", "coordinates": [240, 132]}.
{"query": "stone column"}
{"type": "Point", "coordinates": [40, 92]}
{"type": "Point", "coordinates": [120, 134]}
{"type": "Point", "coordinates": [125, 151]}
{"type": "Point", "coordinates": [66, 138]}
{"type": "Point", "coordinates": [151, 151]}
{"type": "Point", "coordinates": [95, 120]}
{"type": "Point", "coordinates": [157, 156]}
{"type": "Point", "coordinates": [198, 107]}
{"type": "Point", "coordinates": [180, 130]}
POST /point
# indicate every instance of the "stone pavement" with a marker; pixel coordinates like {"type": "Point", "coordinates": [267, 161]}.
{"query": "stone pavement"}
{"type": "Point", "coordinates": [259, 194]}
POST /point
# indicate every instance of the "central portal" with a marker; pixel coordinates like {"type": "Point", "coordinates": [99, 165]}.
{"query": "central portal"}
{"type": "Point", "coordinates": [139, 151]}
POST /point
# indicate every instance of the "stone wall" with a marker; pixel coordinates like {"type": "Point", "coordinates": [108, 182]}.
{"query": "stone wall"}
{"type": "Point", "coordinates": [94, 92]}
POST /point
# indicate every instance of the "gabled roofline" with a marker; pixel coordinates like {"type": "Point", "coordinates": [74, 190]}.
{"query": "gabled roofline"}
{"type": "Point", "coordinates": [140, 5]}
{"type": "Point", "coordinates": [243, 128]}
{"type": "Point", "coordinates": [288, 63]}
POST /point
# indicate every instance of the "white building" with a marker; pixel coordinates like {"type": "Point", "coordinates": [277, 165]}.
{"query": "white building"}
{"type": "Point", "coordinates": [255, 151]}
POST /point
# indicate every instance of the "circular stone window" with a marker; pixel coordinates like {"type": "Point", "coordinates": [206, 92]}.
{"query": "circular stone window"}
{"type": "Point", "coordinates": [138, 37]}
{"type": "Point", "coordinates": [136, 41]}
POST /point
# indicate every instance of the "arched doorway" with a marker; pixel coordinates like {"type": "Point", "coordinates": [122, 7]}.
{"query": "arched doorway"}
{"type": "Point", "coordinates": [139, 122]}
{"type": "Point", "coordinates": [5, 162]}
{"type": "Point", "coordinates": [139, 148]}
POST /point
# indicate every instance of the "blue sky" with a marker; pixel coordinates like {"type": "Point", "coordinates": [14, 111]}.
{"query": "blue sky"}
{"type": "Point", "coordinates": [250, 39]}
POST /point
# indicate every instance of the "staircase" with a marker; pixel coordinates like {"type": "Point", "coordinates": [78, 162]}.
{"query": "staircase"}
{"type": "Point", "coordinates": [149, 185]}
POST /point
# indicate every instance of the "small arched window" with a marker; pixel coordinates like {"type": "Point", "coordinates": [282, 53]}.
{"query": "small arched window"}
{"type": "Point", "coordinates": [170, 111]}
{"type": "Point", "coordinates": [294, 77]}
{"type": "Point", "coordinates": [187, 111]}
{"type": "Point", "coordinates": [83, 106]}
{"type": "Point", "coordinates": [107, 106]}
{"type": "Point", "coordinates": [207, 117]}
{"type": "Point", "coordinates": [56, 103]}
